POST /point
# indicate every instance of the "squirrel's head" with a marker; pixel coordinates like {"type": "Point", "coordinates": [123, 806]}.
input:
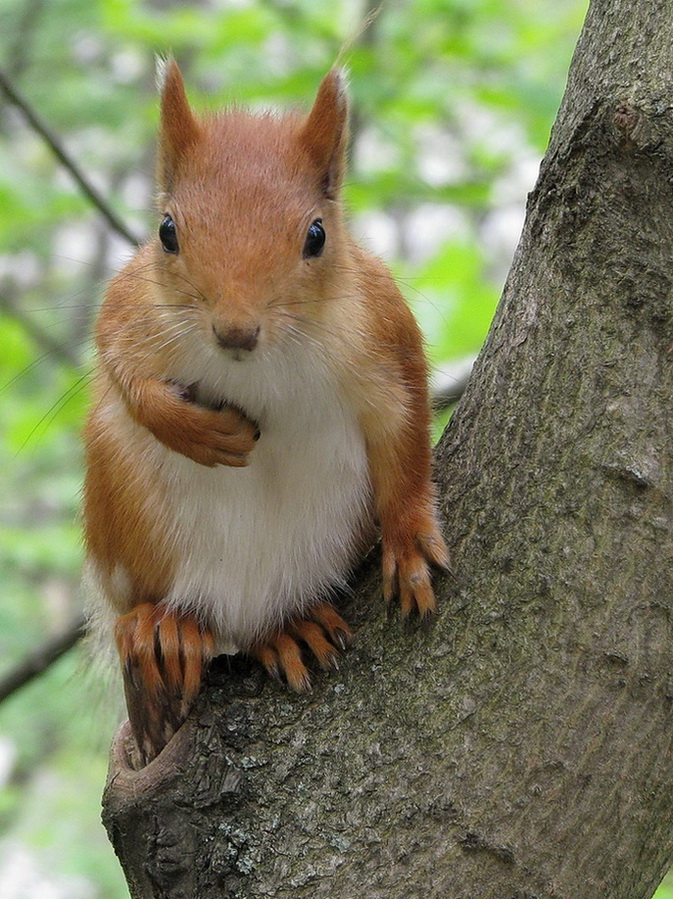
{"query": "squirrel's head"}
{"type": "Point", "coordinates": [250, 218]}
{"type": "Point", "coordinates": [323, 134]}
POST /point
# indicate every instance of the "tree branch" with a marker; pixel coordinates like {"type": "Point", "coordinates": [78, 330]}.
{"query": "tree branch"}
{"type": "Point", "coordinates": [41, 658]}
{"type": "Point", "coordinates": [57, 148]}
{"type": "Point", "coordinates": [449, 382]}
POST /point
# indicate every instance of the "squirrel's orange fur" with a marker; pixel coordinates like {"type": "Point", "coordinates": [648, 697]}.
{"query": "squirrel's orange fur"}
{"type": "Point", "coordinates": [261, 401]}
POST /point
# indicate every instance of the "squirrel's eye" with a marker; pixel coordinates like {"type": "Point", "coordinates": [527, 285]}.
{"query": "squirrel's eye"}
{"type": "Point", "coordinates": [315, 239]}
{"type": "Point", "coordinates": [168, 235]}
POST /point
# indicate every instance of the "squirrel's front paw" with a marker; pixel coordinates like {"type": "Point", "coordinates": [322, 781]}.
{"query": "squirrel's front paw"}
{"type": "Point", "coordinates": [406, 571]}
{"type": "Point", "coordinates": [208, 436]}
{"type": "Point", "coordinates": [216, 437]}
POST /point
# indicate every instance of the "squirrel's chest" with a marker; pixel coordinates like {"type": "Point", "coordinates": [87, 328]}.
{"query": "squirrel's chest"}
{"type": "Point", "coordinates": [256, 543]}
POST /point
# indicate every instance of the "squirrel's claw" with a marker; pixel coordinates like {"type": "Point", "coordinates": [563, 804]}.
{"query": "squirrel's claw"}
{"type": "Point", "coordinates": [163, 657]}
{"type": "Point", "coordinates": [406, 571]}
{"type": "Point", "coordinates": [323, 633]}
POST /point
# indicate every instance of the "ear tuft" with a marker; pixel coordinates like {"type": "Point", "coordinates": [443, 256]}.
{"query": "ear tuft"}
{"type": "Point", "coordinates": [179, 129]}
{"type": "Point", "coordinates": [325, 133]}
{"type": "Point", "coordinates": [160, 66]}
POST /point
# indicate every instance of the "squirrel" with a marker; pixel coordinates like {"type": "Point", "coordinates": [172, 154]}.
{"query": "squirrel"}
{"type": "Point", "coordinates": [260, 408]}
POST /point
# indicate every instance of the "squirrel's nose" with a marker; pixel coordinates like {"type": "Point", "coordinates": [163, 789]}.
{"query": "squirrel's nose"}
{"type": "Point", "coordinates": [240, 337]}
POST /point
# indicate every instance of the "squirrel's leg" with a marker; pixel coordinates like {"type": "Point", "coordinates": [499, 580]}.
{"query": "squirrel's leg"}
{"type": "Point", "coordinates": [322, 632]}
{"type": "Point", "coordinates": [400, 464]}
{"type": "Point", "coordinates": [410, 536]}
{"type": "Point", "coordinates": [163, 657]}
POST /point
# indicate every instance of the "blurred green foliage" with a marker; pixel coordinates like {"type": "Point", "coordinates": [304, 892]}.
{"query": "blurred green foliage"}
{"type": "Point", "coordinates": [452, 105]}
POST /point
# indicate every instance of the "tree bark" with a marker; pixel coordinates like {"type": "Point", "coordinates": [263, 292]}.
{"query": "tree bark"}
{"type": "Point", "coordinates": [521, 747]}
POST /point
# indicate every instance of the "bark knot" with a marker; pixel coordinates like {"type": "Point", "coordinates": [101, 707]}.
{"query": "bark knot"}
{"type": "Point", "coordinates": [626, 119]}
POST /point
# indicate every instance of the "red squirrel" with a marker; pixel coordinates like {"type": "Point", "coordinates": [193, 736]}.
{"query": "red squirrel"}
{"type": "Point", "coordinates": [260, 407]}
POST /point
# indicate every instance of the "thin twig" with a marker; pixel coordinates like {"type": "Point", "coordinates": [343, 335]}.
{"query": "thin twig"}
{"type": "Point", "coordinates": [65, 159]}
{"type": "Point", "coordinates": [449, 383]}
{"type": "Point", "coordinates": [42, 657]}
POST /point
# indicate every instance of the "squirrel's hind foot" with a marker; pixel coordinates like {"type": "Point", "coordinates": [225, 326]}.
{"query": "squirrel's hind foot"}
{"type": "Point", "coordinates": [323, 633]}
{"type": "Point", "coordinates": [163, 657]}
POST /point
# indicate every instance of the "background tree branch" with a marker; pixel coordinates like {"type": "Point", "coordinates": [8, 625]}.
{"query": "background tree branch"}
{"type": "Point", "coordinates": [449, 383]}
{"type": "Point", "coordinates": [523, 745]}
{"type": "Point", "coordinates": [42, 657]}
{"type": "Point", "coordinates": [53, 142]}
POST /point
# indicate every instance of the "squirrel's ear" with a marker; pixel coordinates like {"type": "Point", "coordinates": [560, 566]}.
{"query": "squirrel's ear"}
{"type": "Point", "coordinates": [325, 132]}
{"type": "Point", "coordinates": [179, 130]}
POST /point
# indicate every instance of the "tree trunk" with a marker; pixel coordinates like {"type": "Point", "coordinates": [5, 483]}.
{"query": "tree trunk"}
{"type": "Point", "coordinates": [521, 747]}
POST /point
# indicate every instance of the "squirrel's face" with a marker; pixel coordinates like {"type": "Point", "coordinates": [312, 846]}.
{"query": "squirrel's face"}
{"type": "Point", "coordinates": [250, 237]}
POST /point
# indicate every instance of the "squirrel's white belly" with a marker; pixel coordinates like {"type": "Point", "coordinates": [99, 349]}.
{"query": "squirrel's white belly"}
{"type": "Point", "coordinates": [255, 543]}
{"type": "Point", "coordinates": [252, 545]}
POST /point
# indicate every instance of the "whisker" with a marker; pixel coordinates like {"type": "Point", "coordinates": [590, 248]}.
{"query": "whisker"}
{"type": "Point", "coordinates": [32, 365]}
{"type": "Point", "coordinates": [175, 338]}
{"type": "Point", "coordinates": [171, 332]}
{"type": "Point", "coordinates": [198, 293]}
{"type": "Point", "coordinates": [303, 326]}
{"type": "Point", "coordinates": [136, 274]}
{"type": "Point", "coordinates": [53, 411]}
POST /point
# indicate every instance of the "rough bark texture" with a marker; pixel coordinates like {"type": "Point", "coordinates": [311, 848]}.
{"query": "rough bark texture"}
{"type": "Point", "coordinates": [522, 746]}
